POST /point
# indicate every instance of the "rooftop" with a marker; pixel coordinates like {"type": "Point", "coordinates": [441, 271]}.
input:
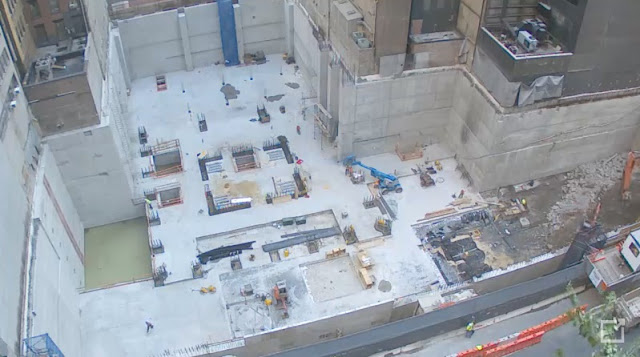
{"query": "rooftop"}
{"type": "Point", "coordinates": [58, 61]}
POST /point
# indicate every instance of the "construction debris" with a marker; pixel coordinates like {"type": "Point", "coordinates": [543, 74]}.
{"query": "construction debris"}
{"type": "Point", "coordinates": [583, 185]}
{"type": "Point", "coordinates": [255, 58]}
{"type": "Point", "coordinates": [426, 180]}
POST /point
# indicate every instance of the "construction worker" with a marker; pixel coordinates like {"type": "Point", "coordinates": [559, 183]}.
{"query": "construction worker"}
{"type": "Point", "coordinates": [149, 325]}
{"type": "Point", "coordinates": [524, 203]}
{"type": "Point", "coordinates": [479, 347]}
{"type": "Point", "coordinates": [469, 328]}
{"type": "Point", "coordinates": [148, 201]}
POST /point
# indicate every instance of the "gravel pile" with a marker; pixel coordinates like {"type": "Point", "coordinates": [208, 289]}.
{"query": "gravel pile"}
{"type": "Point", "coordinates": [583, 185]}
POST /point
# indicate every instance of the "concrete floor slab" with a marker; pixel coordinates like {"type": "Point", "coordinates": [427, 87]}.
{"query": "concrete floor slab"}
{"type": "Point", "coordinates": [171, 114]}
{"type": "Point", "coordinates": [331, 279]}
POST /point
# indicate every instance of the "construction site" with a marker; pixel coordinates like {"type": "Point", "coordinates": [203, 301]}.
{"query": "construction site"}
{"type": "Point", "coordinates": [253, 177]}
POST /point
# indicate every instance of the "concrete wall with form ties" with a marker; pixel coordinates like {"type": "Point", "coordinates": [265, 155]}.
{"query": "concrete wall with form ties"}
{"type": "Point", "coordinates": [412, 109]}
{"type": "Point", "coordinates": [497, 146]}
{"type": "Point", "coordinates": [56, 271]}
{"type": "Point", "coordinates": [306, 48]}
{"type": "Point", "coordinates": [95, 174]}
{"type": "Point", "coordinates": [94, 162]}
{"type": "Point", "coordinates": [154, 44]}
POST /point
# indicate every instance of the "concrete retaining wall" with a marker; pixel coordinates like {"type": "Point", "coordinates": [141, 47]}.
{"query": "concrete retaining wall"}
{"type": "Point", "coordinates": [500, 148]}
{"type": "Point", "coordinates": [306, 48]}
{"type": "Point", "coordinates": [318, 331]}
{"type": "Point", "coordinates": [58, 270]}
{"type": "Point", "coordinates": [17, 139]}
{"type": "Point", "coordinates": [13, 235]}
{"type": "Point", "coordinates": [153, 44]}
{"type": "Point", "coordinates": [497, 146]}
{"type": "Point", "coordinates": [90, 165]}
{"type": "Point", "coordinates": [312, 332]}
{"type": "Point", "coordinates": [413, 109]}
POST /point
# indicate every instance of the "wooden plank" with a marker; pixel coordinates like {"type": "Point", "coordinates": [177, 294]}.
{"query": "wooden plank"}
{"type": "Point", "coordinates": [439, 213]}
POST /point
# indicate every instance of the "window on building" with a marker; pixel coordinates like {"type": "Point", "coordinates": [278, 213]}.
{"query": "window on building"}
{"type": "Point", "coordinates": [20, 28]}
{"type": "Point", "coordinates": [54, 6]}
{"type": "Point", "coordinates": [61, 31]}
{"type": "Point", "coordinates": [41, 35]}
{"type": "Point", "coordinates": [35, 10]}
{"type": "Point", "coordinates": [4, 63]}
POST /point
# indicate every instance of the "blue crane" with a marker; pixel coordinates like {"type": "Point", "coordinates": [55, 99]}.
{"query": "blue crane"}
{"type": "Point", "coordinates": [386, 182]}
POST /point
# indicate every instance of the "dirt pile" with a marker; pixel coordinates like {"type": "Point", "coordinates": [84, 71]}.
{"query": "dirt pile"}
{"type": "Point", "coordinates": [583, 186]}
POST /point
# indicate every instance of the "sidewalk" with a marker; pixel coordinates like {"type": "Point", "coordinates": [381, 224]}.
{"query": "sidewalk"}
{"type": "Point", "coordinates": [486, 331]}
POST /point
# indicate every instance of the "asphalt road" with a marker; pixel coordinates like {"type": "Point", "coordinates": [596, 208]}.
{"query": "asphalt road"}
{"type": "Point", "coordinates": [565, 337]}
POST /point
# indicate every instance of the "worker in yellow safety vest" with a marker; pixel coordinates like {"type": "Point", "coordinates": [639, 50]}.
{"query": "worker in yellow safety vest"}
{"type": "Point", "coordinates": [479, 347]}
{"type": "Point", "coordinates": [469, 328]}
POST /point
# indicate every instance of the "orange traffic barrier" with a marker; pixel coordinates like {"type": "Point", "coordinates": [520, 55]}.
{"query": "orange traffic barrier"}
{"type": "Point", "coordinates": [520, 340]}
{"type": "Point", "coordinates": [513, 346]}
{"type": "Point", "coordinates": [477, 352]}
{"type": "Point", "coordinates": [551, 324]}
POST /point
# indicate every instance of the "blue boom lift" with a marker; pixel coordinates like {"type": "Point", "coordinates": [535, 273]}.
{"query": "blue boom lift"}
{"type": "Point", "coordinates": [386, 182]}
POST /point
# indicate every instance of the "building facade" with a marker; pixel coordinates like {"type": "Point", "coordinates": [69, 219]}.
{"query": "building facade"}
{"type": "Point", "coordinates": [19, 156]}
{"type": "Point", "coordinates": [17, 33]}
{"type": "Point", "coordinates": [53, 21]}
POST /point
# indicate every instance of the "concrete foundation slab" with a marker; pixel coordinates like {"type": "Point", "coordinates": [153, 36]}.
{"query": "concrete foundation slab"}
{"type": "Point", "coordinates": [332, 279]}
